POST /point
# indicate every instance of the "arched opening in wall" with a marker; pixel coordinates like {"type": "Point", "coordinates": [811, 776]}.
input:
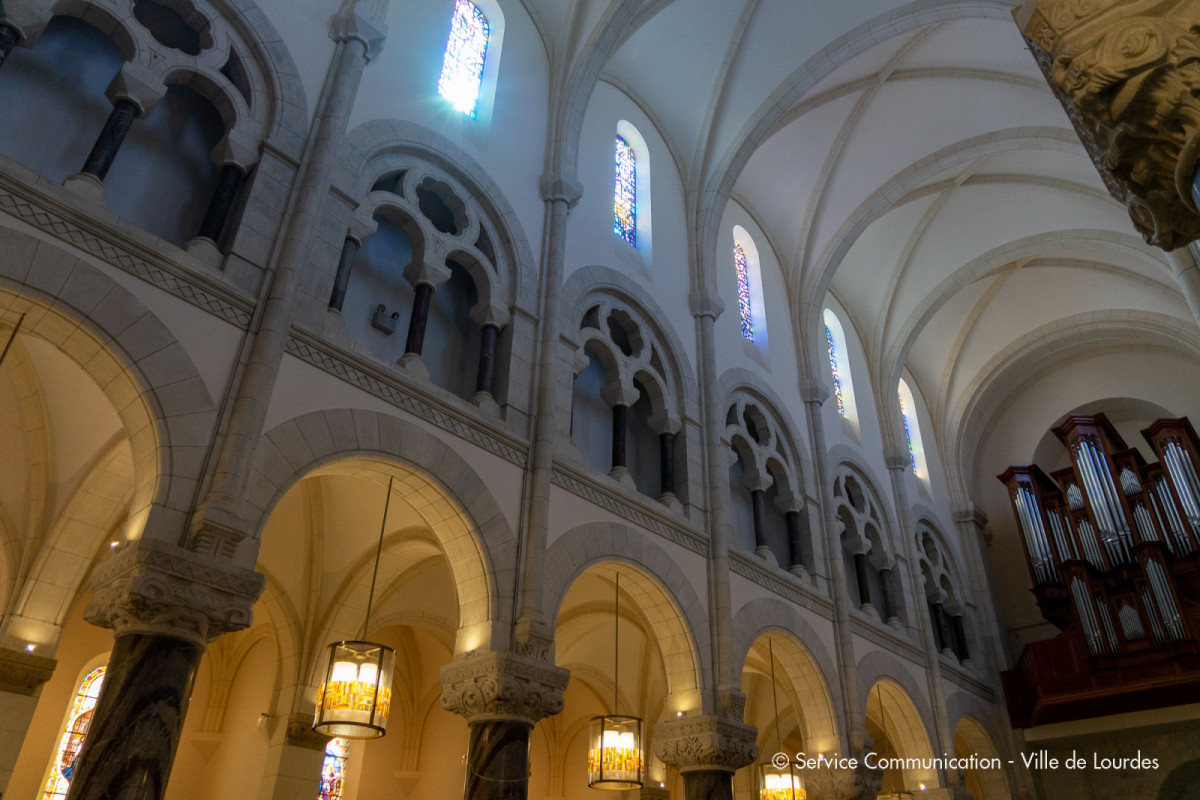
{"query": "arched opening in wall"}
{"type": "Point", "coordinates": [642, 451]}
{"type": "Point", "coordinates": [895, 724]}
{"type": "Point", "coordinates": [1129, 415]}
{"type": "Point", "coordinates": [970, 739]}
{"type": "Point", "coordinates": [947, 614]}
{"type": "Point", "coordinates": [451, 338]}
{"type": "Point", "coordinates": [377, 280]}
{"type": "Point", "coordinates": [631, 189]}
{"type": "Point", "coordinates": [741, 510]}
{"type": "Point", "coordinates": [805, 722]}
{"type": "Point", "coordinates": [751, 304]}
{"type": "Point", "coordinates": [54, 92]}
{"type": "Point", "coordinates": [163, 177]}
{"type": "Point", "coordinates": [629, 652]}
{"type": "Point", "coordinates": [591, 417]}
{"type": "Point", "coordinates": [774, 521]}
{"type": "Point", "coordinates": [909, 414]}
{"type": "Point", "coordinates": [839, 367]}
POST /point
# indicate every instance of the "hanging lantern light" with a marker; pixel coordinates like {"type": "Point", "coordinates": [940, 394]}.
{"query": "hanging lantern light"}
{"type": "Point", "coordinates": [355, 696]}
{"type": "Point", "coordinates": [615, 752]}
{"type": "Point", "coordinates": [778, 783]}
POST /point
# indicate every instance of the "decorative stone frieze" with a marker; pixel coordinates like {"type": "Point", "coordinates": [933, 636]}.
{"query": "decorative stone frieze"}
{"type": "Point", "coordinates": [503, 687]}
{"type": "Point", "coordinates": [1128, 75]}
{"type": "Point", "coordinates": [705, 743]}
{"type": "Point", "coordinates": [24, 673]}
{"type": "Point", "coordinates": [155, 588]}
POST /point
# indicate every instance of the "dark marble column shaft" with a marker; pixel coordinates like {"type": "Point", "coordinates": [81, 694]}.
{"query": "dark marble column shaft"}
{"type": "Point", "coordinates": [342, 279]}
{"type": "Point", "coordinates": [666, 459]}
{"type": "Point", "coordinates": [420, 317]}
{"type": "Point", "coordinates": [485, 378]}
{"type": "Point", "coordinates": [707, 785]}
{"type": "Point", "coordinates": [758, 504]}
{"type": "Point", "coordinates": [8, 40]}
{"type": "Point", "coordinates": [795, 536]}
{"type": "Point", "coordinates": [116, 127]}
{"type": "Point", "coordinates": [620, 414]}
{"type": "Point", "coordinates": [860, 571]}
{"type": "Point", "coordinates": [940, 626]}
{"type": "Point", "coordinates": [887, 577]}
{"type": "Point", "coordinates": [498, 761]}
{"type": "Point", "coordinates": [228, 184]}
{"type": "Point", "coordinates": [135, 729]}
{"type": "Point", "coordinates": [960, 637]}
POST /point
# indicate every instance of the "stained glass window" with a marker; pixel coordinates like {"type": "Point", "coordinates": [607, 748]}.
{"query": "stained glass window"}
{"type": "Point", "coordinates": [625, 199]}
{"type": "Point", "coordinates": [837, 379]}
{"type": "Point", "coordinates": [462, 68]}
{"type": "Point", "coordinates": [333, 769]}
{"type": "Point", "coordinates": [743, 281]}
{"type": "Point", "coordinates": [78, 722]}
{"type": "Point", "coordinates": [912, 457]}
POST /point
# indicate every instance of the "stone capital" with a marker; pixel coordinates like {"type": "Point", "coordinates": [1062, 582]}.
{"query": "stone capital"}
{"type": "Point", "coordinates": [897, 458]}
{"type": "Point", "coordinates": [620, 392]}
{"type": "Point", "coordinates": [493, 314]}
{"type": "Point", "coordinates": [1129, 80]}
{"type": "Point", "coordinates": [705, 742]}
{"type": "Point", "coordinates": [362, 226]}
{"type": "Point", "coordinates": [555, 187]}
{"type": "Point", "coordinates": [300, 733]}
{"type": "Point", "coordinates": [236, 150]}
{"type": "Point", "coordinates": [24, 673]}
{"type": "Point", "coordinates": [970, 514]}
{"type": "Point", "coordinates": [503, 686]}
{"type": "Point", "coordinates": [813, 390]}
{"type": "Point", "coordinates": [28, 19]}
{"type": "Point", "coordinates": [139, 85]}
{"type": "Point", "coordinates": [664, 422]}
{"type": "Point", "coordinates": [362, 21]}
{"type": "Point", "coordinates": [705, 304]}
{"type": "Point", "coordinates": [155, 588]}
{"type": "Point", "coordinates": [426, 272]}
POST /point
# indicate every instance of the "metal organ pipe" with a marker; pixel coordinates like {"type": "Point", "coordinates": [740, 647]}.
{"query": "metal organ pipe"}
{"type": "Point", "coordinates": [1087, 616]}
{"type": "Point", "coordinates": [1187, 483]}
{"type": "Point", "coordinates": [1166, 599]}
{"type": "Point", "coordinates": [1029, 512]}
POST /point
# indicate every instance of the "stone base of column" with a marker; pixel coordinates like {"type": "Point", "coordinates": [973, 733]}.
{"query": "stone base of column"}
{"type": "Point", "coordinates": [21, 678]}
{"type": "Point", "coordinates": [672, 502]}
{"type": "Point", "coordinates": [414, 365]}
{"type": "Point", "coordinates": [766, 555]}
{"type": "Point", "coordinates": [87, 186]}
{"type": "Point", "coordinates": [205, 250]}
{"type": "Point", "coordinates": [486, 403]}
{"type": "Point", "coordinates": [622, 476]}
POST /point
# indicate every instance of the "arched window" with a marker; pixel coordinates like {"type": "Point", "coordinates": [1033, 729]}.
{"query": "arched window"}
{"type": "Point", "coordinates": [625, 193]}
{"type": "Point", "coordinates": [743, 284]}
{"type": "Point", "coordinates": [912, 431]}
{"type": "Point", "coordinates": [466, 51]}
{"type": "Point", "coordinates": [839, 366]}
{"type": "Point", "coordinates": [333, 769]}
{"type": "Point", "coordinates": [78, 721]}
{"type": "Point", "coordinates": [751, 304]}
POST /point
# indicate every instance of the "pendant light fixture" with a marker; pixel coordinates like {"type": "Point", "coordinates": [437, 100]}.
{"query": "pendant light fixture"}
{"type": "Point", "coordinates": [778, 783]}
{"type": "Point", "coordinates": [615, 759]}
{"type": "Point", "coordinates": [355, 697]}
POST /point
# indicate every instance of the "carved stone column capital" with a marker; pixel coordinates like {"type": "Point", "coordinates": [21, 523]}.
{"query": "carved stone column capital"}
{"type": "Point", "coordinates": [814, 390]}
{"type": "Point", "coordinates": [707, 742]}
{"type": "Point", "coordinates": [362, 21]}
{"type": "Point", "coordinates": [154, 588]}
{"type": "Point", "coordinates": [1129, 80]}
{"type": "Point", "coordinates": [300, 733]}
{"type": "Point", "coordinates": [897, 458]}
{"type": "Point", "coordinates": [24, 673]}
{"type": "Point", "coordinates": [556, 187]}
{"type": "Point", "coordinates": [503, 686]}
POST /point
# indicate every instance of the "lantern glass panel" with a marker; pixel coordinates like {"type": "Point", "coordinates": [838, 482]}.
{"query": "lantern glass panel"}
{"type": "Point", "coordinates": [355, 696]}
{"type": "Point", "coordinates": [615, 755]}
{"type": "Point", "coordinates": [775, 783]}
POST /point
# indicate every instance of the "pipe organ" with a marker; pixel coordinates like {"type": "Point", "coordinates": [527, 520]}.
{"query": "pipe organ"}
{"type": "Point", "coordinates": [1113, 549]}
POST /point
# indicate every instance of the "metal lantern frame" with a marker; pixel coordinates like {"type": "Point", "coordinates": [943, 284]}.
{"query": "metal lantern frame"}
{"type": "Point", "coordinates": [790, 784]}
{"type": "Point", "coordinates": [609, 765]}
{"type": "Point", "coordinates": [343, 697]}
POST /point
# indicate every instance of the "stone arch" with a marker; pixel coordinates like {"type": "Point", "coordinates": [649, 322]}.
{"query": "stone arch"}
{"type": "Point", "coordinates": [1183, 782]}
{"type": "Point", "coordinates": [146, 374]}
{"type": "Point", "coordinates": [878, 667]}
{"type": "Point", "coordinates": [808, 665]}
{"type": "Point", "coordinates": [971, 738]}
{"type": "Point", "coordinates": [454, 501]}
{"type": "Point", "coordinates": [737, 379]}
{"type": "Point", "coordinates": [675, 611]}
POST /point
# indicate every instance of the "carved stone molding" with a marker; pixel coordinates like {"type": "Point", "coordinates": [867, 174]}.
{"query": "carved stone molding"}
{"type": "Point", "coordinates": [503, 686]}
{"type": "Point", "coordinates": [151, 587]}
{"type": "Point", "coordinates": [24, 673]}
{"type": "Point", "coordinates": [1128, 75]}
{"type": "Point", "coordinates": [300, 733]}
{"type": "Point", "coordinates": [705, 743]}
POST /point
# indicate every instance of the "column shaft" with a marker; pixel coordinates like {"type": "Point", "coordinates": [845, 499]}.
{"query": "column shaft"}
{"type": "Point", "coordinates": [758, 502]}
{"type": "Point", "coordinates": [890, 606]}
{"type": "Point", "coordinates": [221, 204]}
{"type": "Point", "coordinates": [860, 572]}
{"type": "Point", "coordinates": [135, 729]}
{"type": "Point", "coordinates": [342, 279]}
{"type": "Point", "coordinates": [709, 784]}
{"type": "Point", "coordinates": [498, 761]}
{"type": "Point", "coordinates": [960, 637]}
{"type": "Point", "coordinates": [796, 554]}
{"type": "Point", "coordinates": [8, 40]}
{"type": "Point", "coordinates": [116, 128]}
{"type": "Point", "coordinates": [666, 461]}
{"type": "Point", "coordinates": [619, 416]}
{"type": "Point", "coordinates": [485, 378]}
{"type": "Point", "coordinates": [420, 316]}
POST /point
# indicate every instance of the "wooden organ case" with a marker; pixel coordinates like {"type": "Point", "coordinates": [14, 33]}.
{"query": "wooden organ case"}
{"type": "Point", "coordinates": [1113, 549]}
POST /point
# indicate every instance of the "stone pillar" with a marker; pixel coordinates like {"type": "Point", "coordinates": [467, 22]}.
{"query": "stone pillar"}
{"type": "Point", "coordinates": [490, 318]}
{"type": "Point", "coordinates": [706, 750]}
{"type": "Point", "coordinates": [758, 506]}
{"type": "Point", "coordinates": [502, 696]}
{"type": "Point", "coordinates": [235, 158]}
{"type": "Point", "coordinates": [360, 229]}
{"type": "Point", "coordinates": [425, 277]}
{"type": "Point", "coordinates": [799, 551]}
{"type": "Point", "coordinates": [8, 40]}
{"type": "Point", "coordinates": [667, 426]}
{"type": "Point", "coordinates": [860, 572]}
{"type": "Point", "coordinates": [943, 637]}
{"type": "Point", "coordinates": [22, 23]}
{"type": "Point", "coordinates": [165, 604]}
{"type": "Point", "coordinates": [620, 415]}
{"type": "Point", "coordinates": [1129, 86]}
{"type": "Point", "coordinates": [887, 577]}
{"type": "Point", "coordinates": [134, 92]}
{"type": "Point", "coordinates": [620, 395]}
{"type": "Point", "coordinates": [22, 676]}
{"type": "Point", "coordinates": [960, 637]}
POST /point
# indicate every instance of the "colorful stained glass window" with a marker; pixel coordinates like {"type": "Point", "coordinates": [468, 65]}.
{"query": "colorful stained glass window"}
{"type": "Point", "coordinates": [625, 196]}
{"type": "Point", "coordinates": [462, 68]}
{"type": "Point", "coordinates": [912, 457]}
{"type": "Point", "coordinates": [333, 769]}
{"type": "Point", "coordinates": [743, 281]}
{"type": "Point", "coordinates": [837, 379]}
{"type": "Point", "coordinates": [78, 722]}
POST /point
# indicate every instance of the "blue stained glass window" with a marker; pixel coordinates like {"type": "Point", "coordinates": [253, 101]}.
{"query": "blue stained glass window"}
{"type": "Point", "coordinates": [837, 380]}
{"type": "Point", "coordinates": [912, 457]}
{"type": "Point", "coordinates": [743, 283]}
{"type": "Point", "coordinates": [333, 769]}
{"type": "Point", "coordinates": [625, 195]}
{"type": "Point", "coordinates": [462, 68]}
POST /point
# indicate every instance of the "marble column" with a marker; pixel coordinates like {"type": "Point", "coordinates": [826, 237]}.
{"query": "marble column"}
{"type": "Point", "coordinates": [860, 572]}
{"type": "Point", "coordinates": [620, 414]}
{"type": "Point", "coordinates": [360, 229]}
{"type": "Point", "coordinates": [960, 637]}
{"type": "Point", "coordinates": [229, 182]}
{"type": "Point", "coordinates": [707, 750]}
{"type": "Point", "coordinates": [666, 463]}
{"type": "Point", "coordinates": [116, 127]}
{"type": "Point", "coordinates": [22, 675]}
{"type": "Point", "coordinates": [415, 342]}
{"type": "Point", "coordinates": [502, 696]}
{"type": "Point", "coordinates": [620, 395]}
{"type": "Point", "coordinates": [164, 604]}
{"type": "Point", "coordinates": [8, 40]}
{"type": "Point", "coordinates": [799, 552]}
{"type": "Point", "coordinates": [887, 577]}
{"type": "Point", "coordinates": [426, 278]}
{"type": "Point", "coordinates": [758, 508]}
{"type": "Point", "coordinates": [485, 375]}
